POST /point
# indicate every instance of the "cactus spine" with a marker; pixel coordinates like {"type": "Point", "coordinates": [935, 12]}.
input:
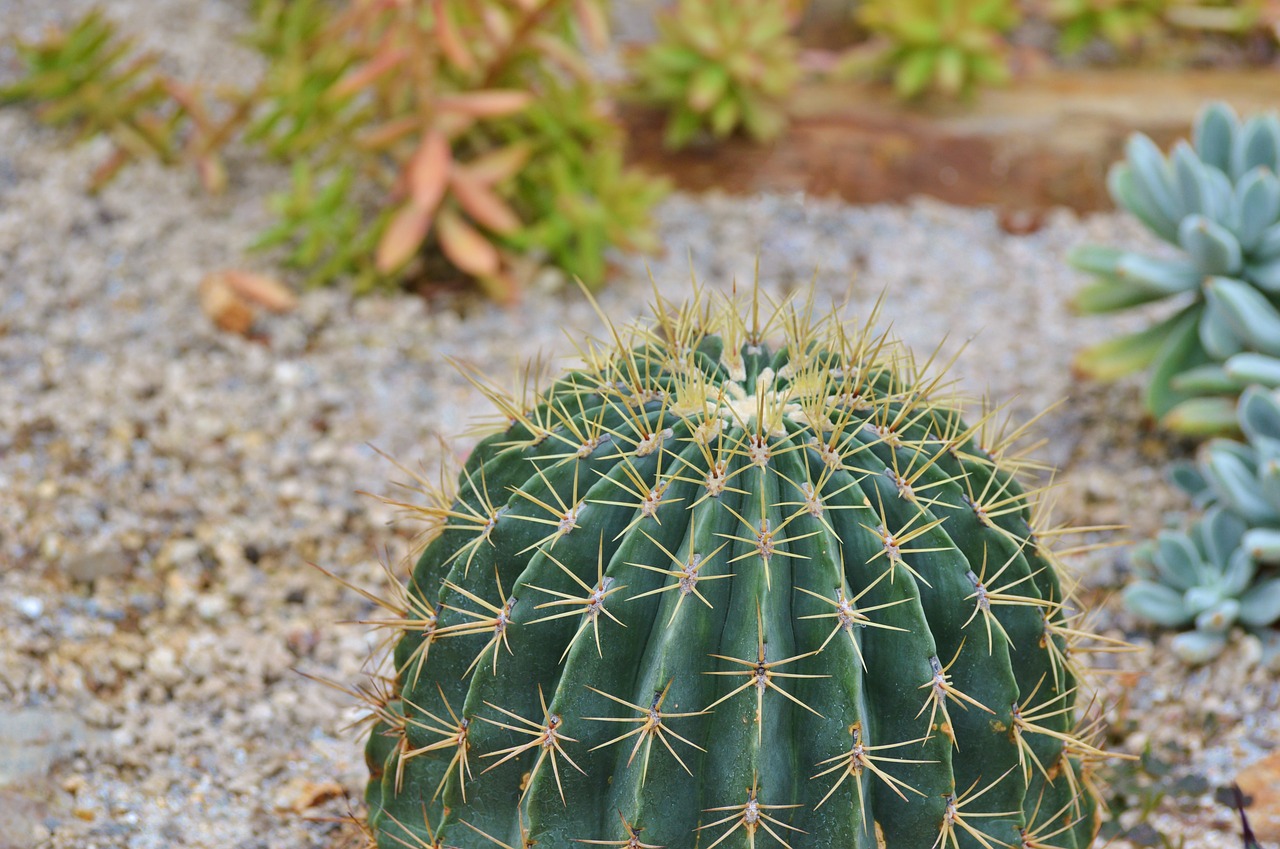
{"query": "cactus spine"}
{"type": "Point", "coordinates": [704, 592]}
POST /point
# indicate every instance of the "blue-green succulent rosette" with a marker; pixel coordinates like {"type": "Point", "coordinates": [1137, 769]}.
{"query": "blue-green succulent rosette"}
{"type": "Point", "coordinates": [1217, 200]}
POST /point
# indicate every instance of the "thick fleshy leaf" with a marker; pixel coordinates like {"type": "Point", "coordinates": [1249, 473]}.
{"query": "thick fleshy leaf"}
{"type": "Point", "coordinates": [1219, 618]}
{"type": "Point", "coordinates": [1152, 174]}
{"type": "Point", "coordinates": [1213, 247]}
{"type": "Point", "coordinates": [1166, 277]}
{"type": "Point", "coordinates": [1207, 380]}
{"type": "Point", "coordinates": [593, 21]}
{"type": "Point", "coordinates": [1257, 202]}
{"type": "Point", "coordinates": [1220, 532]}
{"type": "Point", "coordinates": [1177, 560]}
{"type": "Point", "coordinates": [402, 238]}
{"type": "Point", "coordinates": [1268, 246]}
{"type": "Point", "coordinates": [1214, 134]}
{"type": "Point", "coordinates": [1218, 336]}
{"type": "Point", "coordinates": [1110, 294]}
{"type": "Point", "coordinates": [1202, 597]}
{"type": "Point", "coordinates": [1186, 477]}
{"type": "Point", "coordinates": [465, 247]}
{"type": "Point", "coordinates": [427, 172]}
{"type": "Point", "coordinates": [1252, 317]}
{"type": "Point", "coordinates": [1125, 191]}
{"type": "Point", "coordinates": [1237, 486]}
{"type": "Point", "coordinates": [1181, 351]}
{"type": "Point", "coordinates": [1238, 571]}
{"type": "Point", "coordinates": [364, 75]}
{"type": "Point", "coordinates": [1254, 368]}
{"type": "Point", "coordinates": [452, 43]}
{"type": "Point", "coordinates": [1195, 647]}
{"type": "Point", "coordinates": [485, 206]}
{"type": "Point", "coordinates": [1095, 259]}
{"type": "Point", "coordinates": [1129, 353]}
{"type": "Point", "coordinates": [1256, 144]}
{"type": "Point", "coordinates": [1191, 179]}
{"type": "Point", "coordinates": [499, 165]}
{"type": "Point", "coordinates": [486, 103]}
{"type": "Point", "coordinates": [1265, 276]}
{"type": "Point", "coordinates": [1157, 603]}
{"type": "Point", "coordinates": [706, 87]}
{"type": "Point", "coordinates": [1261, 604]}
{"type": "Point", "coordinates": [1263, 545]}
{"type": "Point", "coordinates": [914, 72]}
{"type": "Point", "coordinates": [1260, 415]}
{"type": "Point", "coordinates": [1202, 417]}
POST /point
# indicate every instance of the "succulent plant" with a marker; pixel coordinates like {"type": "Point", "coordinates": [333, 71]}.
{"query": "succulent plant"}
{"type": "Point", "coordinates": [1222, 572]}
{"type": "Point", "coordinates": [90, 78]}
{"type": "Point", "coordinates": [1218, 201]}
{"type": "Point", "coordinates": [718, 588]}
{"type": "Point", "coordinates": [947, 46]}
{"type": "Point", "coordinates": [1123, 23]}
{"type": "Point", "coordinates": [720, 66]}
{"type": "Point", "coordinates": [427, 138]}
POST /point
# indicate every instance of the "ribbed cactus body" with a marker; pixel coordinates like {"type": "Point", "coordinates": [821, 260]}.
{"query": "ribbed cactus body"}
{"type": "Point", "coordinates": [705, 592]}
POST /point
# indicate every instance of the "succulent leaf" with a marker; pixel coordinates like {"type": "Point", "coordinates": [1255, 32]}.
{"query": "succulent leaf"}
{"type": "Point", "coordinates": [1260, 606]}
{"type": "Point", "coordinates": [1195, 648]}
{"type": "Point", "coordinates": [1157, 603]}
{"type": "Point", "coordinates": [1214, 135]}
{"type": "Point", "coordinates": [1254, 368]}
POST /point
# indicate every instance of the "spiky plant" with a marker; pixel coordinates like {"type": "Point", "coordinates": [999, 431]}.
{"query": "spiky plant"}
{"type": "Point", "coordinates": [1217, 200]}
{"type": "Point", "coordinates": [709, 590]}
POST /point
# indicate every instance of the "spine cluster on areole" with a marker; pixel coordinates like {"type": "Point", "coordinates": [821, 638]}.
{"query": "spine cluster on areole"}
{"type": "Point", "coordinates": [704, 592]}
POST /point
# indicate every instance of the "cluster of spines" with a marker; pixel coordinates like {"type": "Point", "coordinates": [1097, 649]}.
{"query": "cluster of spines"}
{"type": "Point", "coordinates": [657, 404]}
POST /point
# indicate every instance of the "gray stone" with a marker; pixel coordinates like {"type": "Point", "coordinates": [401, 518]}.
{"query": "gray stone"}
{"type": "Point", "coordinates": [33, 740]}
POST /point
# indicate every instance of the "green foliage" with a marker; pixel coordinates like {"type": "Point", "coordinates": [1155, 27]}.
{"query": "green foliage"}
{"type": "Point", "coordinates": [717, 587]}
{"type": "Point", "coordinates": [1123, 23]}
{"type": "Point", "coordinates": [1232, 17]}
{"type": "Point", "coordinates": [479, 125]}
{"type": "Point", "coordinates": [720, 66]}
{"type": "Point", "coordinates": [1223, 571]}
{"type": "Point", "coordinates": [1218, 201]}
{"type": "Point", "coordinates": [426, 137]}
{"type": "Point", "coordinates": [949, 47]}
{"type": "Point", "coordinates": [91, 79]}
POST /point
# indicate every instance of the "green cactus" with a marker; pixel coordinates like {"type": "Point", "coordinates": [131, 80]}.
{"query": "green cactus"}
{"type": "Point", "coordinates": [705, 591]}
{"type": "Point", "coordinates": [1218, 200]}
{"type": "Point", "coordinates": [720, 66]}
{"type": "Point", "coordinates": [1222, 572]}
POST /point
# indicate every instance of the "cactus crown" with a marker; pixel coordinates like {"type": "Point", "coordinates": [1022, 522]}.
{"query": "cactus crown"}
{"type": "Point", "coordinates": [706, 591]}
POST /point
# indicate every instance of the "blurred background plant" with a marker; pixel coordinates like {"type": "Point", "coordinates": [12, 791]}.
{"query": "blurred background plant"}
{"type": "Point", "coordinates": [949, 47]}
{"type": "Point", "coordinates": [90, 79]}
{"type": "Point", "coordinates": [1222, 572]}
{"type": "Point", "coordinates": [427, 137]}
{"type": "Point", "coordinates": [1124, 24]}
{"type": "Point", "coordinates": [1218, 201]}
{"type": "Point", "coordinates": [1231, 17]}
{"type": "Point", "coordinates": [719, 66]}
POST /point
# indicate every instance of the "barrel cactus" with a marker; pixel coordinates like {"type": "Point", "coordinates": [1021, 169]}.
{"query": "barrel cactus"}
{"type": "Point", "coordinates": [714, 588]}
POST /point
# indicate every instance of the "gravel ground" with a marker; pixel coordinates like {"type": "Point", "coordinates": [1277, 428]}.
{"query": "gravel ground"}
{"type": "Point", "coordinates": [163, 485]}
